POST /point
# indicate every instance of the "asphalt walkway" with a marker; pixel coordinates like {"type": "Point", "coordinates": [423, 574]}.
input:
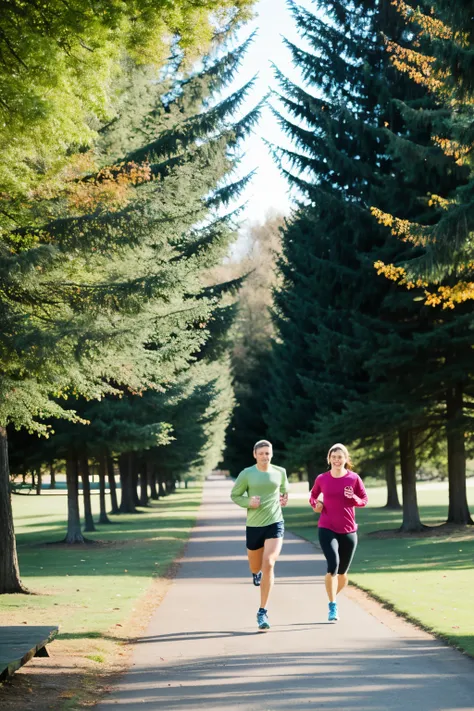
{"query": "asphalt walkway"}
{"type": "Point", "coordinates": [202, 649]}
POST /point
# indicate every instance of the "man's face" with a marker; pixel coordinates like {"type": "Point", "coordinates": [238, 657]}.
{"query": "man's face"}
{"type": "Point", "coordinates": [263, 455]}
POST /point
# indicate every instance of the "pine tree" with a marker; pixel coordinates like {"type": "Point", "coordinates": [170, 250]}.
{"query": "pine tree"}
{"type": "Point", "coordinates": [441, 61]}
{"type": "Point", "coordinates": [337, 322]}
{"type": "Point", "coordinates": [108, 296]}
{"type": "Point", "coordinates": [61, 64]}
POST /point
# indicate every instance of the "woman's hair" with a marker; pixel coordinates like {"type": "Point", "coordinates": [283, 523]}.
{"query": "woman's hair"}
{"type": "Point", "coordinates": [344, 450]}
{"type": "Point", "coordinates": [262, 443]}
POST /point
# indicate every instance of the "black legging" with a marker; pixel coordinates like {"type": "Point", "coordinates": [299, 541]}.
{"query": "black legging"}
{"type": "Point", "coordinates": [338, 549]}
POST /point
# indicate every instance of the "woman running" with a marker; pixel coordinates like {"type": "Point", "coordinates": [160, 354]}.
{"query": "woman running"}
{"type": "Point", "coordinates": [342, 490]}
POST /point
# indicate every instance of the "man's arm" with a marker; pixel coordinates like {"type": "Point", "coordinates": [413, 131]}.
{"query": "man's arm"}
{"type": "Point", "coordinates": [284, 488]}
{"type": "Point", "coordinates": [239, 493]}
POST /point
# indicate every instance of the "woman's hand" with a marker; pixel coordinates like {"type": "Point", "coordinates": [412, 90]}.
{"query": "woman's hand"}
{"type": "Point", "coordinates": [283, 499]}
{"type": "Point", "coordinates": [318, 507]}
{"type": "Point", "coordinates": [349, 492]}
{"type": "Point", "coordinates": [254, 502]}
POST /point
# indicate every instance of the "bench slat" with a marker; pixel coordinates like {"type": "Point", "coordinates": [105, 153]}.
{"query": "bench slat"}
{"type": "Point", "coordinates": [19, 644]}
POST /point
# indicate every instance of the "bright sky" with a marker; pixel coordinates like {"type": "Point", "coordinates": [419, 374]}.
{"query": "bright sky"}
{"type": "Point", "coordinates": [268, 190]}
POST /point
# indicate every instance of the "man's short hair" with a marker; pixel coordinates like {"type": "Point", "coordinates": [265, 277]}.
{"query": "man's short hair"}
{"type": "Point", "coordinates": [262, 443]}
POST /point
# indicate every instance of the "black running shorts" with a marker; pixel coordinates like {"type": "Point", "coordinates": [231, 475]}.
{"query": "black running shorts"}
{"type": "Point", "coordinates": [257, 535]}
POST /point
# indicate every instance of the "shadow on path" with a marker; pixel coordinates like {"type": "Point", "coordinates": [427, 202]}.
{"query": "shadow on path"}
{"type": "Point", "coordinates": [384, 679]}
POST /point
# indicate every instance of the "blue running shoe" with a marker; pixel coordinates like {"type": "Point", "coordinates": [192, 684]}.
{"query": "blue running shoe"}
{"type": "Point", "coordinates": [262, 620]}
{"type": "Point", "coordinates": [333, 616]}
{"type": "Point", "coordinates": [257, 579]}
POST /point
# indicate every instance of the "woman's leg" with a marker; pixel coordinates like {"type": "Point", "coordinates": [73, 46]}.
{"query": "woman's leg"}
{"type": "Point", "coordinates": [330, 547]}
{"type": "Point", "coordinates": [330, 582]}
{"type": "Point", "coordinates": [347, 548]}
{"type": "Point", "coordinates": [271, 552]}
{"type": "Point", "coordinates": [342, 581]}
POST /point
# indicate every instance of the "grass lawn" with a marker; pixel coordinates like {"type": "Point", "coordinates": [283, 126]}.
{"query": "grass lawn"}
{"type": "Point", "coordinates": [94, 593]}
{"type": "Point", "coordinates": [428, 579]}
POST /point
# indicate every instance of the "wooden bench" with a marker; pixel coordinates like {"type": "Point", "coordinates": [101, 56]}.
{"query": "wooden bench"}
{"type": "Point", "coordinates": [19, 644]}
{"type": "Point", "coordinates": [19, 488]}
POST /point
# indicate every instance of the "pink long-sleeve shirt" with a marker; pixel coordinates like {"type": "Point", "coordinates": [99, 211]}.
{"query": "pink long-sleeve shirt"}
{"type": "Point", "coordinates": [338, 511]}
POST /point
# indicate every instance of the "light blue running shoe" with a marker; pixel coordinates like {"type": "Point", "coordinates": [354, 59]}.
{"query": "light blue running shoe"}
{"type": "Point", "coordinates": [262, 620]}
{"type": "Point", "coordinates": [333, 616]}
{"type": "Point", "coordinates": [257, 579]}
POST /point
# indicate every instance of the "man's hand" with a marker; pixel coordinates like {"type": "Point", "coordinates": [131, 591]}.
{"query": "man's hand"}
{"type": "Point", "coordinates": [318, 507]}
{"type": "Point", "coordinates": [283, 499]}
{"type": "Point", "coordinates": [254, 502]}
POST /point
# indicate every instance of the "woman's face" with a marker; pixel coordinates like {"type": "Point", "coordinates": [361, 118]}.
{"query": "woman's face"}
{"type": "Point", "coordinates": [337, 458]}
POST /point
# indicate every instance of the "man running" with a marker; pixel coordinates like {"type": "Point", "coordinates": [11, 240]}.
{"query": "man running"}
{"type": "Point", "coordinates": [262, 489]}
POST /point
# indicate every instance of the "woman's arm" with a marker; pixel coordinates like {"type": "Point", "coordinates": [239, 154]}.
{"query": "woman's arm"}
{"type": "Point", "coordinates": [359, 496]}
{"type": "Point", "coordinates": [315, 492]}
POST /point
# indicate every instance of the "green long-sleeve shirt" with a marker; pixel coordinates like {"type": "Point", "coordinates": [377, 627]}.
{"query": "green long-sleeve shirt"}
{"type": "Point", "coordinates": [268, 485]}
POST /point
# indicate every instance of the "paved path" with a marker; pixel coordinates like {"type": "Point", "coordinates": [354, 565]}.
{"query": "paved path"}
{"type": "Point", "coordinates": [202, 651]}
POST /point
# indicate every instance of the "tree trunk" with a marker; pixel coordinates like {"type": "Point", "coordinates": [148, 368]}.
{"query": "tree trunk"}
{"type": "Point", "coordinates": [52, 474]}
{"type": "Point", "coordinates": [144, 483]}
{"type": "Point", "coordinates": [86, 492]}
{"type": "Point", "coordinates": [393, 501]}
{"type": "Point", "coordinates": [39, 481]}
{"type": "Point", "coordinates": [112, 485]}
{"type": "Point", "coordinates": [161, 486]}
{"type": "Point", "coordinates": [127, 504]}
{"type": "Point", "coordinates": [74, 533]}
{"type": "Point", "coordinates": [411, 515]}
{"type": "Point", "coordinates": [134, 465]}
{"type": "Point", "coordinates": [152, 479]}
{"type": "Point", "coordinates": [458, 511]}
{"type": "Point", "coordinates": [312, 473]}
{"type": "Point", "coordinates": [103, 518]}
{"type": "Point", "coordinates": [9, 571]}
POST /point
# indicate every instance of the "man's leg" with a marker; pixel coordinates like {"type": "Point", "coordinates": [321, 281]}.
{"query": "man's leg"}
{"type": "Point", "coordinates": [255, 560]}
{"type": "Point", "coordinates": [271, 551]}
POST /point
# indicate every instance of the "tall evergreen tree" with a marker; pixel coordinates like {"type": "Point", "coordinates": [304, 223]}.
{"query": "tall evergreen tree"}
{"type": "Point", "coordinates": [108, 294]}
{"type": "Point", "coordinates": [337, 321]}
{"type": "Point", "coordinates": [60, 67]}
{"type": "Point", "coordinates": [441, 61]}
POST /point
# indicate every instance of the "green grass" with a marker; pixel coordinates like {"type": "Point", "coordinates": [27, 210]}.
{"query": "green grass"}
{"type": "Point", "coordinates": [90, 590]}
{"type": "Point", "coordinates": [429, 580]}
